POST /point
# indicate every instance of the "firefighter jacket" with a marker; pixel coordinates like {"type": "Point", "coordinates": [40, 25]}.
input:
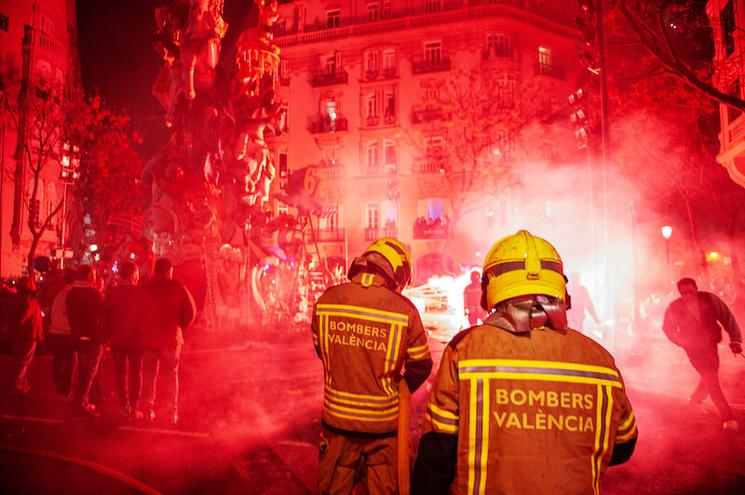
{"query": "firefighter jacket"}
{"type": "Point", "coordinates": [691, 331]}
{"type": "Point", "coordinates": [539, 412]}
{"type": "Point", "coordinates": [364, 334]}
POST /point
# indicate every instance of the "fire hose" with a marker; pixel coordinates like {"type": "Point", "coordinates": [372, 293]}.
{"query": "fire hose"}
{"type": "Point", "coordinates": [404, 402]}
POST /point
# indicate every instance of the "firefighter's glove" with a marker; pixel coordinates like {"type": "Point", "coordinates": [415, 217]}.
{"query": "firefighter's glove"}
{"type": "Point", "coordinates": [736, 347]}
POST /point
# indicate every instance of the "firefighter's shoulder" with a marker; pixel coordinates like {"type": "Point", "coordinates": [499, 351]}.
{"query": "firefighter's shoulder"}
{"type": "Point", "coordinates": [588, 347]}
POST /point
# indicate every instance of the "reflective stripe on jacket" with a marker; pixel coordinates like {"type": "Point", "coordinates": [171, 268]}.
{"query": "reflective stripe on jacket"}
{"type": "Point", "coordinates": [364, 333]}
{"type": "Point", "coordinates": [536, 413]}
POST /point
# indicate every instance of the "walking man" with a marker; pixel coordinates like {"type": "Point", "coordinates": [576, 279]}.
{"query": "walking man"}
{"type": "Point", "coordinates": [694, 322]}
{"type": "Point", "coordinates": [167, 310]}
{"type": "Point", "coordinates": [522, 404]}
{"type": "Point", "coordinates": [472, 299]}
{"type": "Point", "coordinates": [26, 329]}
{"type": "Point", "coordinates": [60, 340]}
{"type": "Point", "coordinates": [85, 312]}
{"type": "Point", "coordinates": [121, 321]}
{"type": "Point", "coordinates": [365, 332]}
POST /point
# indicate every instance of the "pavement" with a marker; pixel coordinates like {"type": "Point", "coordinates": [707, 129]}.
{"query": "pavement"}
{"type": "Point", "coordinates": [250, 423]}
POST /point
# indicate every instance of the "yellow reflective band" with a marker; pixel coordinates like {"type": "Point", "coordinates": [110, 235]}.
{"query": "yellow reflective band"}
{"type": "Point", "coordinates": [472, 438]}
{"type": "Point", "coordinates": [367, 279]}
{"type": "Point", "coordinates": [526, 363]}
{"type": "Point", "coordinates": [391, 358]}
{"type": "Point", "coordinates": [360, 312]}
{"type": "Point", "coordinates": [537, 377]}
{"type": "Point", "coordinates": [596, 445]}
{"type": "Point", "coordinates": [369, 412]}
{"type": "Point", "coordinates": [442, 427]}
{"type": "Point", "coordinates": [484, 436]}
{"type": "Point", "coordinates": [627, 436]}
{"type": "Point", "coordinates": [442, 412]}
{"type": "Point", "coordinates": [628, 422]}
{"type": "Point", "coordinates": [418, 350]}
{"type": "Point", "coordinates": [390, 398]}
{"type": "Point", "coordinates": [606, 439]}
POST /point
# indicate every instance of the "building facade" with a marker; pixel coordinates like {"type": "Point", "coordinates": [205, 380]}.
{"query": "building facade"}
{"type": "Point", "coordinates": [356, 73]}
{"type": "Point", "coordinates": [727, 18]}
{"type": "Point", "coordinates": [47, 31]}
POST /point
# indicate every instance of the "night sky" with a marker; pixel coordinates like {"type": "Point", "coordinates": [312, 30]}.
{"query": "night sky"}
{"type": "Point", "coordinates": [118, 61]}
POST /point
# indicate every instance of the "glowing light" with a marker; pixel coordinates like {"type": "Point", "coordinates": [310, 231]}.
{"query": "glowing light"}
{"type": "Point", "coordinates": [93, 248]}
{"type": "Point", "coordinates": [132, 256]}
{"type": "Point", "coordinates": [713, 257]}
{"type": "Point", "coordinates": [667, 231]}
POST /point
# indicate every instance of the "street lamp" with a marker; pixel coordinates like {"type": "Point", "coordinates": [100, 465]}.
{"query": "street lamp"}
{"type": "Point", "coordinates": [69, 175]}
{"type": "Point", "coordinates": [667, 232]}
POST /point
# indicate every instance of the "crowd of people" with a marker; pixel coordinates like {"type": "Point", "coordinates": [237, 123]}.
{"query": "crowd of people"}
{"type": "Point", "coordinates": [431, 227]}
{"type": "Point", "coordinates": [141, 324]}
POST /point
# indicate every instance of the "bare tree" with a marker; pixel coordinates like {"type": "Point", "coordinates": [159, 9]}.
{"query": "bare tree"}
{"type": "Point", "coordinates": [468, 126]}
{"type": "Point", "coordinates": [680, 38]}
{"type": "Point", "coordinates": [39, 129]}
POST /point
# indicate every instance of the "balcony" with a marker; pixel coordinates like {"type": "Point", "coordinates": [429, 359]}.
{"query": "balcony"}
{"type": "Point", "coordinates": [542, 69]}
{"type": "Point", "coordinates": [424, 66]}
{"type": "Point", "coordinates": [426, 114]}
{"type": "Point", "coordinates": [372, 234]}
{"type": "Point", "coordinates": [431, 228]}
{"type": "Point", "coordinates": [330, 171]}
{"type": "Point", "coordinates": [329, 78]}
{"type": "Point", "coordinates": [497, 52]}
{"type": "Point", "coordinates": [330, 235]}
{"type": "Point", "coordinates": [323, 124]}
{"type": "Point", "coordinates": [380, 75]}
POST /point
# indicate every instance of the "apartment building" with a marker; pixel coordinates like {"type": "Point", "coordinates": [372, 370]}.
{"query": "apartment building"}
{"type": "Point", "coordinates": [354, 74]}
{"type": "Point", "coordinates": [48, 29]}
{"type": "Point", "coordinates": [726, 18]}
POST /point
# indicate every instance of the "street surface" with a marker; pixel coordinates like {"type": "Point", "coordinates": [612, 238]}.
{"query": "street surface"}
{"type": "Point", "coordinates": [250, 422]}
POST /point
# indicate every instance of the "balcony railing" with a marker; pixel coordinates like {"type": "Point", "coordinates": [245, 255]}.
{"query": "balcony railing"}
{"type": "Point", "coordinates": [431, 228]}
{"type": "Point", "coordinates": [497, 52]}
{"type": "Point", "coordinates": [424, 66]}
{"type": "Point", "coordinates": [330, 235]}
{"type": "Point", "coordinates": [432, 166]}
{"type": "Point", "coordinates": [330, 78]}
{"type": "Point", "coordinates": [543, 69]}
{"type": "Point", "coordinates": [372, 234]}
{"type": "Point", "coordinates": [427, 114]}
{"type": "Point", "coordinates": [323, 123]}
{"type": "Point", "coordinates": [376, 74]}
{"type": "Point", "coordinates": [328, 171]}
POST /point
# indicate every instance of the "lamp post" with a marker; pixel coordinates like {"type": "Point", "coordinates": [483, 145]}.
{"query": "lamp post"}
{"type": "Point", "coordinates": [69, 175]}
{"type": "Point", "coordinates": [667, 232]}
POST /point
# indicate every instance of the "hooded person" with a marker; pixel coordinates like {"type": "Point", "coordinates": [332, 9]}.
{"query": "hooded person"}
{"type": "Point", "coordinates": [366, 332]}
{"type": "Point", "coordinates": [522, 403]}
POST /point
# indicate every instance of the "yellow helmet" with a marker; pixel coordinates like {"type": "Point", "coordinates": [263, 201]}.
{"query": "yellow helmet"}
{"type": "Point", "coordinates": [391, 258]}
{"type": "Point", "coordinates": [521, 264]}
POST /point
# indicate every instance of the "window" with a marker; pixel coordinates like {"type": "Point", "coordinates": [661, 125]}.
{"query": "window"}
{"type": "Point", "coordinates": [372, 216]}
{"type": "Point", "coordinates": [284, 170]}
{"type": "Point", "coordinates": [432, 6]}
{"type": "Point", "coordinates": [330, 221]}
{"type": "Point", "coordinates": [4, 22]}
{"type": "Point", "coordinates": [372, 61]}
{"type": "Point", "coordinates": [435, 208]}
{"type": "Point", "coordinates": [332, 63]}
{"type": "Point", "coordinates": [728, 27]}
{"type": "Point", "coordinates": [371, 156]}
{"type": "Point", "coordinates": [544, 56]}
{"type": "Point", "coordinates": [371, 105]}
{"type": "Point", "coordinates": [431, 92]}
{"type": "Point", "coordinates": [47, 26]}
{"type": "Point", "coordinates": [505, 90]}
{"type": "Point", "coordinates": [389, 60]}
{"type": "Point", "coordinates": [435, 147]}
{"type": "Point", "coordinates": [389, 154]}
{"type": "Point", "coordinates": [389, 214]}
{"type": "Point", "coordinates": [373, 12]}
{"type": "Point", "coordinates": [333, 18]}
{"type": "Point", "coordinates": [331, 109]}
{"type": "Point", "coordinates": [433, 52]}
{"type": "Point", "coordinates": [284, 69]}
{"type": "Point", "coordinates": [498, 45]}
{"type": "Point", "coordinates": [51, 198]}
{"type": "Point", "coordinates": [389, 100]}
{"type": "Point", "coordinates": [386, 10]}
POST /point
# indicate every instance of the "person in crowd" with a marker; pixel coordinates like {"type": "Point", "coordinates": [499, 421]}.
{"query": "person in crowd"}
{"type": "Point", "coordinates": [26, 329]}
{"type": "Point", "coordinates": [472, 299]}
{"type": "Point", "coordinates": [581, 304]}
{"type": "Point", "coordinates": [121, 323]}
{"type": "Point", "coordinates": [365, 332]}
{"type": "Point", "coordinates": [60, 339]}
{"type": "Point", "coordinates": [522, 404]}
{"type": "Point", "coordinates": [167, 310]}
{"type": "Point", "coordinates": [694, 322]}
{"type": "Point", "coordinates": [84, 303]}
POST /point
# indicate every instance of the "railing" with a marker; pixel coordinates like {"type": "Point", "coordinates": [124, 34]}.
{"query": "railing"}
{"type": "Point", "coordinates": [429, 229]}
{"type": "Point", "coordinates": [372, 234]}
{"type": "Point", "coordinates": [331, 172]}
{"type": "Point", "coordinates": [427, 114]}
{"type": "Point", "coordinates": [431, 166]}
{"type": "Point", "coordinates": [543, 69]}
{"type": "Point", "coordinates": [423, 66]}
{"type": "Point", "coordinates": [330, 78]}
{"type": "Point", "coordinates": [404, 19]}
{"type": "Point", "coordinates": [374, 75]}
{"type": "Point", "coordinates": [323, 123]}
{"type": "Point", "coordinates": [333, 235]}
{"type": "Point", "coordinates": [497, 52]}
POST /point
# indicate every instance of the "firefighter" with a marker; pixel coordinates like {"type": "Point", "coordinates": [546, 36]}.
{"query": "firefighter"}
{"type": "Point", "coordinates": [472, 299]}
{"type": "Point", "coordinates": [523, 404]}
{"type": "Point", "coordinates": [364, 332]}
